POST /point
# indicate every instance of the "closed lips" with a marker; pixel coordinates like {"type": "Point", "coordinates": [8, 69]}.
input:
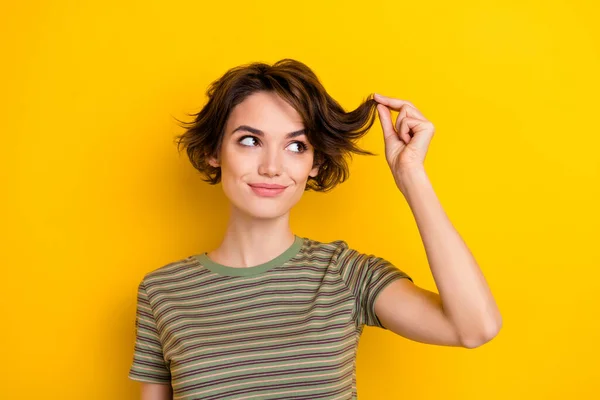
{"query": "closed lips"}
{"type": "Point", "coordinates": [267, 186]}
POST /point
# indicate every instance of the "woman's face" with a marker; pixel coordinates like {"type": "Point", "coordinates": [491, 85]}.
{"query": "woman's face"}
{"type": "Point", "coordinates": [262, 145]}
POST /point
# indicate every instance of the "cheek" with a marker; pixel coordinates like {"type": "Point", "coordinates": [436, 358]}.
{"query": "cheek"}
{"type": "Point", "coordinates": [237, 163]}
{"type": "Point", "coordinates": [299, 170]}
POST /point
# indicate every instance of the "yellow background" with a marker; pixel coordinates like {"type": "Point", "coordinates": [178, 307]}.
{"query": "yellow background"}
{"type": "Point", "coordinates": [95, 195]}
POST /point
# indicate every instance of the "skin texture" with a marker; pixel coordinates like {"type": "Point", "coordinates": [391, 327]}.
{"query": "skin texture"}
{"type": "Point", "coordinates": [155, 391]}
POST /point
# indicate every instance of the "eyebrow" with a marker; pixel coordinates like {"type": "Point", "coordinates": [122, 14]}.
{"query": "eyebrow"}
{"type": "Point", "coordinates": [261, 133]}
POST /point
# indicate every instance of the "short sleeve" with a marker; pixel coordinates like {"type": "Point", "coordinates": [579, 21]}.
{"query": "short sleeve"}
{"type": "Point", "coordinates": [366, 276]}
{"type": "Point", "coordinates": [148, 360]}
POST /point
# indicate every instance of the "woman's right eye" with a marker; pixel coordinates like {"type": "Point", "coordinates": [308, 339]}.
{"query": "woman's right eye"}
{"type": "Point", "coordinates": [247, 139]}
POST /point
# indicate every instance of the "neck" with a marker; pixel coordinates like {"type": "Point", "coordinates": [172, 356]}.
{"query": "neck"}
{"type": "Point", "coordinates": [249, 241]}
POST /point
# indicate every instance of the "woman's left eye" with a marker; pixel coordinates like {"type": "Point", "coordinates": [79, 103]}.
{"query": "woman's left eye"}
{"type": "Point", "coordinates": [301, 146]}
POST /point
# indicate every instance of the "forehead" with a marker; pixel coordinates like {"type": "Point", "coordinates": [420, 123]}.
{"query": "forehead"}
{"type": "Point", "coordinates": [266, 111]}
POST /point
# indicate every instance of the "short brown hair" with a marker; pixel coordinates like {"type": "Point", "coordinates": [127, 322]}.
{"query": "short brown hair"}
{"type": "Point", "coordinates": [330, 129]}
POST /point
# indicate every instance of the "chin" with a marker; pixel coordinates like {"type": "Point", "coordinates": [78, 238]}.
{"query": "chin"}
{"type": "Point", "coordinates": [264, 211]}
{"type": "Point", "coordinates": [263, 207]}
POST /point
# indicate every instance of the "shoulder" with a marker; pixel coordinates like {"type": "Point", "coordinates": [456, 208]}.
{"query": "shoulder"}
{"type": "Point", "coordinates": [313, 244]}
{"type": "Point", "coordinates": [169, 271]}
{"type": "Point", "coordinates": [340, 255]}
{"type": "Point", "coordinates": [330, 250]}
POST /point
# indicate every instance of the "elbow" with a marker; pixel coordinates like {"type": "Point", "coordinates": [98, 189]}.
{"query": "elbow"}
{"type": "Point", "coordinates": [482, 337]}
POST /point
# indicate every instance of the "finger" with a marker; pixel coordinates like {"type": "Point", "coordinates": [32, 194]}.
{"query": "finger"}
{"type": "Point", "coordinates": [415, 125]}
{"type": "Point", "coordinates": [396, 104]}
{"type": "Point", "coordinates": [391, 102]}
{"type": "Point", "coordinates": [385, 118]}
{"type": "Point", "coordinates": [402, 127]}
{"type": "Point", "coordinates": [408, 111]}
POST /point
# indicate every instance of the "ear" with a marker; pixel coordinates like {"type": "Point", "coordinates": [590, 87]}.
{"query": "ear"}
{"type": "Point", "coordinates": [314, 172]}
{"type": "Point", "coordinates": [213, 162]}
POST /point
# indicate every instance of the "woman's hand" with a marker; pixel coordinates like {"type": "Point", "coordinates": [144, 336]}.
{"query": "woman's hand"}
{"type": "Point", "coordinates": [407, 140]}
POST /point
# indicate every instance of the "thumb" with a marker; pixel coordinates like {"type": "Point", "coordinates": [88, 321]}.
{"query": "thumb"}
{"type": "Point", "coordinates": [393, 144]}
{"type": "Point", "coordinates": [385, 118]}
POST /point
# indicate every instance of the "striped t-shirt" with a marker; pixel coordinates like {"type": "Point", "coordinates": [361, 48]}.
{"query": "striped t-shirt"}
{"type": "Point", "coordinates": [285, 329]}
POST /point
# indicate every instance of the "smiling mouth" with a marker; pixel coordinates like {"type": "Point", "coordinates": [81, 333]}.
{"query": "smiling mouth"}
{"type": "Point", "coordinates": [266, 191]}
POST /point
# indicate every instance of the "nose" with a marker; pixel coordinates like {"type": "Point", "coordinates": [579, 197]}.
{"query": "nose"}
{"type": "Point", "coordinates": [270, 162]}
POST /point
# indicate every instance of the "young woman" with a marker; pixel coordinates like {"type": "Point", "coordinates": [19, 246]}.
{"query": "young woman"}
{"type": "Point", "coordinates": [272, 315]}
